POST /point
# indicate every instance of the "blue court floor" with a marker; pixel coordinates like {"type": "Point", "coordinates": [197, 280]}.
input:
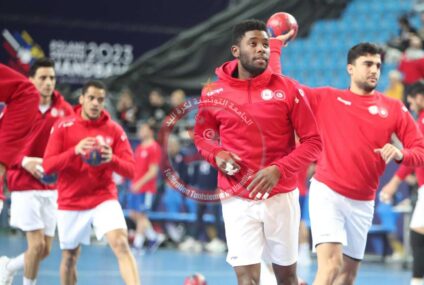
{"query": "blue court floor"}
{"type": "Point", "coordinates": [97, 266]}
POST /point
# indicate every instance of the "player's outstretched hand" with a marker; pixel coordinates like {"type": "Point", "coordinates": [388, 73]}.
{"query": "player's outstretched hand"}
{"type": "Point", "coordinates": [285, 38]}
{"type": "Point", "coordinates": [263, 182]}
{"type": "Point", "coordinates": [32, 164]}
{"type": "Point", "coordinates": [84, 145]}
{"type": "Point", "coordinates": [389, 152]}
{"type": "Point", "coordinates": [226, 162]}
{"type": "Point", "coordinates": [106, 153]}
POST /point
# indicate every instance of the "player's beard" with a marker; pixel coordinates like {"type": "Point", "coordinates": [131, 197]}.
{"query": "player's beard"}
{"type": "Point", "coordinates": [367, 87]}
{"type": "Point", "coordinates": [249, 66]}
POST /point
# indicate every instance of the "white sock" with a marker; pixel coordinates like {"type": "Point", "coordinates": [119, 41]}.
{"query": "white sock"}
{"type": "Point", "coordinates": [138, 240]}
{"type": "Point", "coordinates": [417, 281]}
{"type": "Point", "coordinates": [29, 281]}
{"type": "Point", "coordinates": [151, 234]}
{"type": "Point", "coordinates": [16, 263]}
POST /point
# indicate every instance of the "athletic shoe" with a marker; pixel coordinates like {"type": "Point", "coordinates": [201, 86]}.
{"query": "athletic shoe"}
{"type": "Point", "coordinates": [153, 245]}
{"type": "Point", "coordinates": [216, 246]}
{"type": "Point", "coordinates": [190, 244]}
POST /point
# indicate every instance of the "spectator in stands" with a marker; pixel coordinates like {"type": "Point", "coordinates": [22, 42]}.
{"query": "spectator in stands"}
{"type": "Point", "coordinates": [204, 179]}
{"type": "Point", "coordinates": [411, 64]}
{"type": "Point", "coordinates": [143, 188]}
{"type": "Point", "coordinates": [175, 201]}
{"type": "Point", "coordinates": [157, 109]}
{"type": "Point", "coordinates": [406, 30]}
{"type": "Point", "coordinates": [177, 97]}
{"type": "Point", "coordinates": [395, 89]}
{"type": "Point", "coordinates": [128, 111]}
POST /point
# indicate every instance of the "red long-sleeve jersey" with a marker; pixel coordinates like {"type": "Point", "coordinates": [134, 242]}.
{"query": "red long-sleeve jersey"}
{"type": "Point", "coordinates": [80, 185]}
{"type": "Point", "coordinates": [145, 156]}
{"type": "Point", "coordinates": [403, 170]}
{"type": "Point", "coordinates": [21, 100]}
{"type": "Point", "coordinates": [18, 179]}
{"type": "Point", "coordinates": [257, 120]}
{"type": "Point", "coordinates": [351, 128]}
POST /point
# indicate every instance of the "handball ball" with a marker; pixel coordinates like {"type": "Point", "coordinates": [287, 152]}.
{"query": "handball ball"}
{"type": "Point", "coordinates": [49, 178]}
{"type": "Point", "coordinates": [46, 178]}
{"type": "Point", "coordinates": [93, 156]}
{"type": "Point", "coordinates": [281, 23]}
{"type": "Point", "coordinates": [195, 279]}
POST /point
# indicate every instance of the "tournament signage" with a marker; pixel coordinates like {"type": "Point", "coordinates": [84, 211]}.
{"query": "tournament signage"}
{"type": "Point", "coordinates": [76, 60]}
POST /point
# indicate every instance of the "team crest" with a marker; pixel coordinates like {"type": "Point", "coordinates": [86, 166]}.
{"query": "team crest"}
{"type": "Point", "coordinates": [373, 110]}
{"type": "Point", "coordinates": [266, 94]}
{"type": "Point", "coordinates": [54, 112]}
{"type": "Point", "coordinates": [279, 95]}
{"type": "Point", "coordinates": [383, 112]}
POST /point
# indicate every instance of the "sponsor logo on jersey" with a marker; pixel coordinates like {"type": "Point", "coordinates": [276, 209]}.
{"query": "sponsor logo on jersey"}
{"type": "Point", "coordinates": [373, 110]}
{"type": "Point", "coordinates": [214, 92]}
{"type": "Point", "coordinates": [266, 94]}
{"type": "Point", "coordinates": [347, 103]}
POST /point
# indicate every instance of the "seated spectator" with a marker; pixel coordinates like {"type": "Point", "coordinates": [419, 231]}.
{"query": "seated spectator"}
{"type": "Point", "coordinates": [157, 109]}
{"type": "Point", "coordinates": [406, 30]}
{"type": "Point", "coordinates": [128, 111]}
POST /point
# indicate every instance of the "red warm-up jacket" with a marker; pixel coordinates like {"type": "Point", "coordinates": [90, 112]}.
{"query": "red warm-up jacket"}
{"type": "Point", "coordinates": [82, 186]}
{"type": "Point", "coordinates": [18, 179]}
{"type": "Point", "coordinates": [257, 120]}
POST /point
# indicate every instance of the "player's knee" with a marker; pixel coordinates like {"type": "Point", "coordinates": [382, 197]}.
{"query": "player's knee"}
{"type": "Point", "coordinates": [333, 266]}
{"type": "Point", "coordinates": [288, 279]}
{"type": "Point", "coordinates": [246, 277]}
{"type": "Point", "coordinates": [37, 248]}
{"type": "Point", "coordinates": [46, 252]}
{"type": "Point", "coordinates": [120, 244]}
{"type": "Point", "coordinates": [286, 274]}
{"type": "Point", "coordinates": [69, 260]}
{"type": "Point", "coordinates": [248, 280]}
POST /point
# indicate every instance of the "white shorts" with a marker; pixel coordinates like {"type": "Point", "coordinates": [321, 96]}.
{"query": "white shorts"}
{"type": "Point", "coordinates": [336, 218]}
{"type": "Point", "coordinates": [1, 205]}
{"type": "Point", "coordinates": [74, 227]}
{"type": "Point", "coordinates": [265, 229]}
{"type": "Point", "coordinates": [417, 220]}
{"type": "Point", "coordinates": [34, 210]}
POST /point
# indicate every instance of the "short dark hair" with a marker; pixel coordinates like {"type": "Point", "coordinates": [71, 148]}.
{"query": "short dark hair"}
{"type": "Point", "coordinates": [93, 83]}
{"type": "Point", "coordinates": [247, 25]}
{"type": "Point", "coordinates": [361, 50]}
{"type": "Point", "coordinates": [38, 63]}
{"type": "Point", "coordinates": [416, 88]}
